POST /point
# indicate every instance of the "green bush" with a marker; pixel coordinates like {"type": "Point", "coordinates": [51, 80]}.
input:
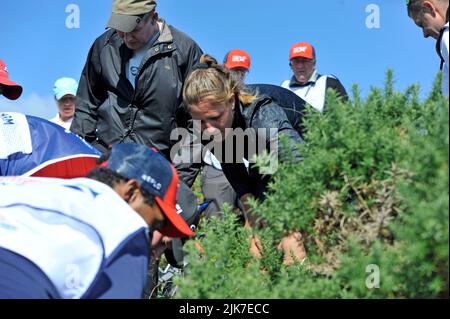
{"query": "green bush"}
{"type": "Point", "coordinates": [372, 191]}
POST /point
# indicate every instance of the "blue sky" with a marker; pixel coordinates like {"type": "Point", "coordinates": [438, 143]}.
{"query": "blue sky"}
{"type": "Point", "coordinates": [38, 48]}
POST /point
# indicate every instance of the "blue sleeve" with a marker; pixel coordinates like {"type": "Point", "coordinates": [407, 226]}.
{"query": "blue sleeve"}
{"type": "Point", "coordinates": [125, 272]}
{"type": "Point", "coordinates": [20, 278]}
{"type": "Point", "coordinates": [2, 167]}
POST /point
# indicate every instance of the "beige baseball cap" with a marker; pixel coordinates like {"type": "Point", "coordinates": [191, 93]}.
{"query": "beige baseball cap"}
{"type": "Point", "coordinates": [126, 14]}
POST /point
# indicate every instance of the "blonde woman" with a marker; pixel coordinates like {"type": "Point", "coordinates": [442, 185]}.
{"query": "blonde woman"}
{"type": "Point", "coordinates": [225, 108]}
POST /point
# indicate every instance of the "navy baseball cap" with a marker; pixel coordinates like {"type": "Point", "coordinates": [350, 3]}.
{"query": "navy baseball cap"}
{"type": "Point", "coordinates": [156, 175]}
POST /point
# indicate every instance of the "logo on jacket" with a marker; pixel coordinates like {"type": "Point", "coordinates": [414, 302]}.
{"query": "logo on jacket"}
{"type": "Point", "coordinates": [7, 119]}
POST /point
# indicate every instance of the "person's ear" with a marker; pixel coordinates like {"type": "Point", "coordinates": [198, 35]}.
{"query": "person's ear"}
{"type": "Point", "coordinates": [428, 7]}
{"type": "Point", "coordinates": [233, 101]}
{"type": "Point", "coordinates": [155, 17]}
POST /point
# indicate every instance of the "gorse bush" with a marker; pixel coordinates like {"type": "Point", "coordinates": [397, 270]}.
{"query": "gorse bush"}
{"type": "Point", "coordinates": [370, 199]}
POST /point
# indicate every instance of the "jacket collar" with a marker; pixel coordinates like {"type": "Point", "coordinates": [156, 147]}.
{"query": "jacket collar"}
{"type": "Point", "coordinates": [243, 114]}
{"type": "Point", "coordinates": [165, 33]}
{"type": "Point", "coordinates": [238, 118]}
{"type": "Point", "coordinates": [438, 45]}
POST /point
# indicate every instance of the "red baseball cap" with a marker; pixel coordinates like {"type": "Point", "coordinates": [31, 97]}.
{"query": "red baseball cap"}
{"type": "Point", "coordinates": [302, 50]}
{"type": "Point", "coordinates": [237, 59]}
{"type": "Point", "coordinates": [11, 90]}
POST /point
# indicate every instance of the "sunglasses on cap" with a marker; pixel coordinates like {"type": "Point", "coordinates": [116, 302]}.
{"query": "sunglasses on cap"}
{"type": "Point", "coordinates": [142, 19]}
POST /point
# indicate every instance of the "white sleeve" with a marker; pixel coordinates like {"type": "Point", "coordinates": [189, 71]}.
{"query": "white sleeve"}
{"type": "Point", "coordinates": [15, 136]}
{"type": "Point", "coordinates": [285, 84]}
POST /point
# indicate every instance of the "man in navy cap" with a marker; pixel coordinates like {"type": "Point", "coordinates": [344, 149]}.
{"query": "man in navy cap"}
{"type": "Point", "coordinates": [87, 237]}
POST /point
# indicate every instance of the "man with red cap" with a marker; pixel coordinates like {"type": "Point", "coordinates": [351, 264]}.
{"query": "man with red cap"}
{"type": "Point", "coordinates": [8, 88]}
{"type": "Point", "coordinates": [306, 82]}
{"type": "Point", "coordinates": [238, 62]}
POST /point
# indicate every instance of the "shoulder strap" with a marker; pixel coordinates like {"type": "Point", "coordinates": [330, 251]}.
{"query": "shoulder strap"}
{"type": "Point", "coordinates": [438, 46]}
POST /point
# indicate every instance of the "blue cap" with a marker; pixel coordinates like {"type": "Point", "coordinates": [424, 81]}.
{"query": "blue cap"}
{"type": "Point", "coordinates": [64, 86]}
{"type": "Point", "coordinates": [156, 175]}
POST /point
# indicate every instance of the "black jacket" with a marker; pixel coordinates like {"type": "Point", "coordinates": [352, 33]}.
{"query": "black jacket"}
{"type": "Point", "coordinates": [109, 110]}
{"type": "Point", "coordinates": [263, 114]}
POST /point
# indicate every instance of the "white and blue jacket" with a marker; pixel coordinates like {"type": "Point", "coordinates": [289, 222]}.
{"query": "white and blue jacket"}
{"type": "Point", "coordinates": [78, 233]}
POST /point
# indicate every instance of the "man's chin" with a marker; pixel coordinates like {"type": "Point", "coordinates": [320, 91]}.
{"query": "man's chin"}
{"type": "Point", "coordinates": [133, 46]}
{"type": "Point", "coordinates": [68, 115]}
{"type": "Point", "coordinates": [301, 79]}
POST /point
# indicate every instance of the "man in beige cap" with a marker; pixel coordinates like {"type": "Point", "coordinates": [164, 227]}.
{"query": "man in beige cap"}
{"type": "Point", "coordinates": [127, 15]}
{"type": "Point", "coordinates": [130, 88]}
